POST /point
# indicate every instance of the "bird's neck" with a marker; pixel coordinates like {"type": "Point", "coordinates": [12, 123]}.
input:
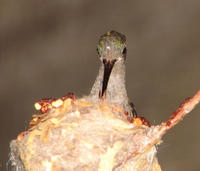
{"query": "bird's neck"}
{"type": "Point", "coordinates": [116, 89]}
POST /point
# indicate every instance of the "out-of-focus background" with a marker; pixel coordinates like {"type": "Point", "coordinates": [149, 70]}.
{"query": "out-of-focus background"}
{"type": "Point", "coordinates": [48, 48]}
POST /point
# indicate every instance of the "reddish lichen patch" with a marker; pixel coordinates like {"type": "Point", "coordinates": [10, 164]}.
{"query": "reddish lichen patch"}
{"type": "Point", "coordinates": [139, 121]}
{"type": "Point", "coordinates": [168, 123]}
{"type": "Point", "coordinates": [21, 135]}
{"type": "Point", "coordinates": [182, 109]}
{"type": "Point", "coordinates": [44, 105]}
{"type": "Point", "coordinates": [47, 104]}
{"type": "Point", "coordinates": [36, 119]}
{"type": "Point", "coordinates": [69, 95]}
{"type": "Point", "coordinates": [126, 113]}
{"type": "Point", "coordinates": [57, 103]}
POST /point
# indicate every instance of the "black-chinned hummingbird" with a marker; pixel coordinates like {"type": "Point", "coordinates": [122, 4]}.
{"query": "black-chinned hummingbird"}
{"type": "Point", "coordinates": [110, 81]}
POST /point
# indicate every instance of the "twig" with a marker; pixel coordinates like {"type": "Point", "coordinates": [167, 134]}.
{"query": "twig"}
{"type": "Point", "coordinates": [155, 134]}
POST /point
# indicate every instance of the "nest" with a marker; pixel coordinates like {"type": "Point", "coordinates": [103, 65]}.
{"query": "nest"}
{"type": "Point", "coordinates": [74, 134]}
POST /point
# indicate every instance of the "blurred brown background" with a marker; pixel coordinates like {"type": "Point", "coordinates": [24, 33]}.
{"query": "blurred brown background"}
{"type": "Point", "coordinates": [48, 48]}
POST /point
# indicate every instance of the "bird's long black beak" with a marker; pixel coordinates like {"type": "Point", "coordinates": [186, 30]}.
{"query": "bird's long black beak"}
{"type": "Point", "coordinates": [108, 66]}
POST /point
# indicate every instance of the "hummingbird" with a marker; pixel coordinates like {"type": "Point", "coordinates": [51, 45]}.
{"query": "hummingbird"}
{"type": "Point", "coordinates": [110, 81]}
